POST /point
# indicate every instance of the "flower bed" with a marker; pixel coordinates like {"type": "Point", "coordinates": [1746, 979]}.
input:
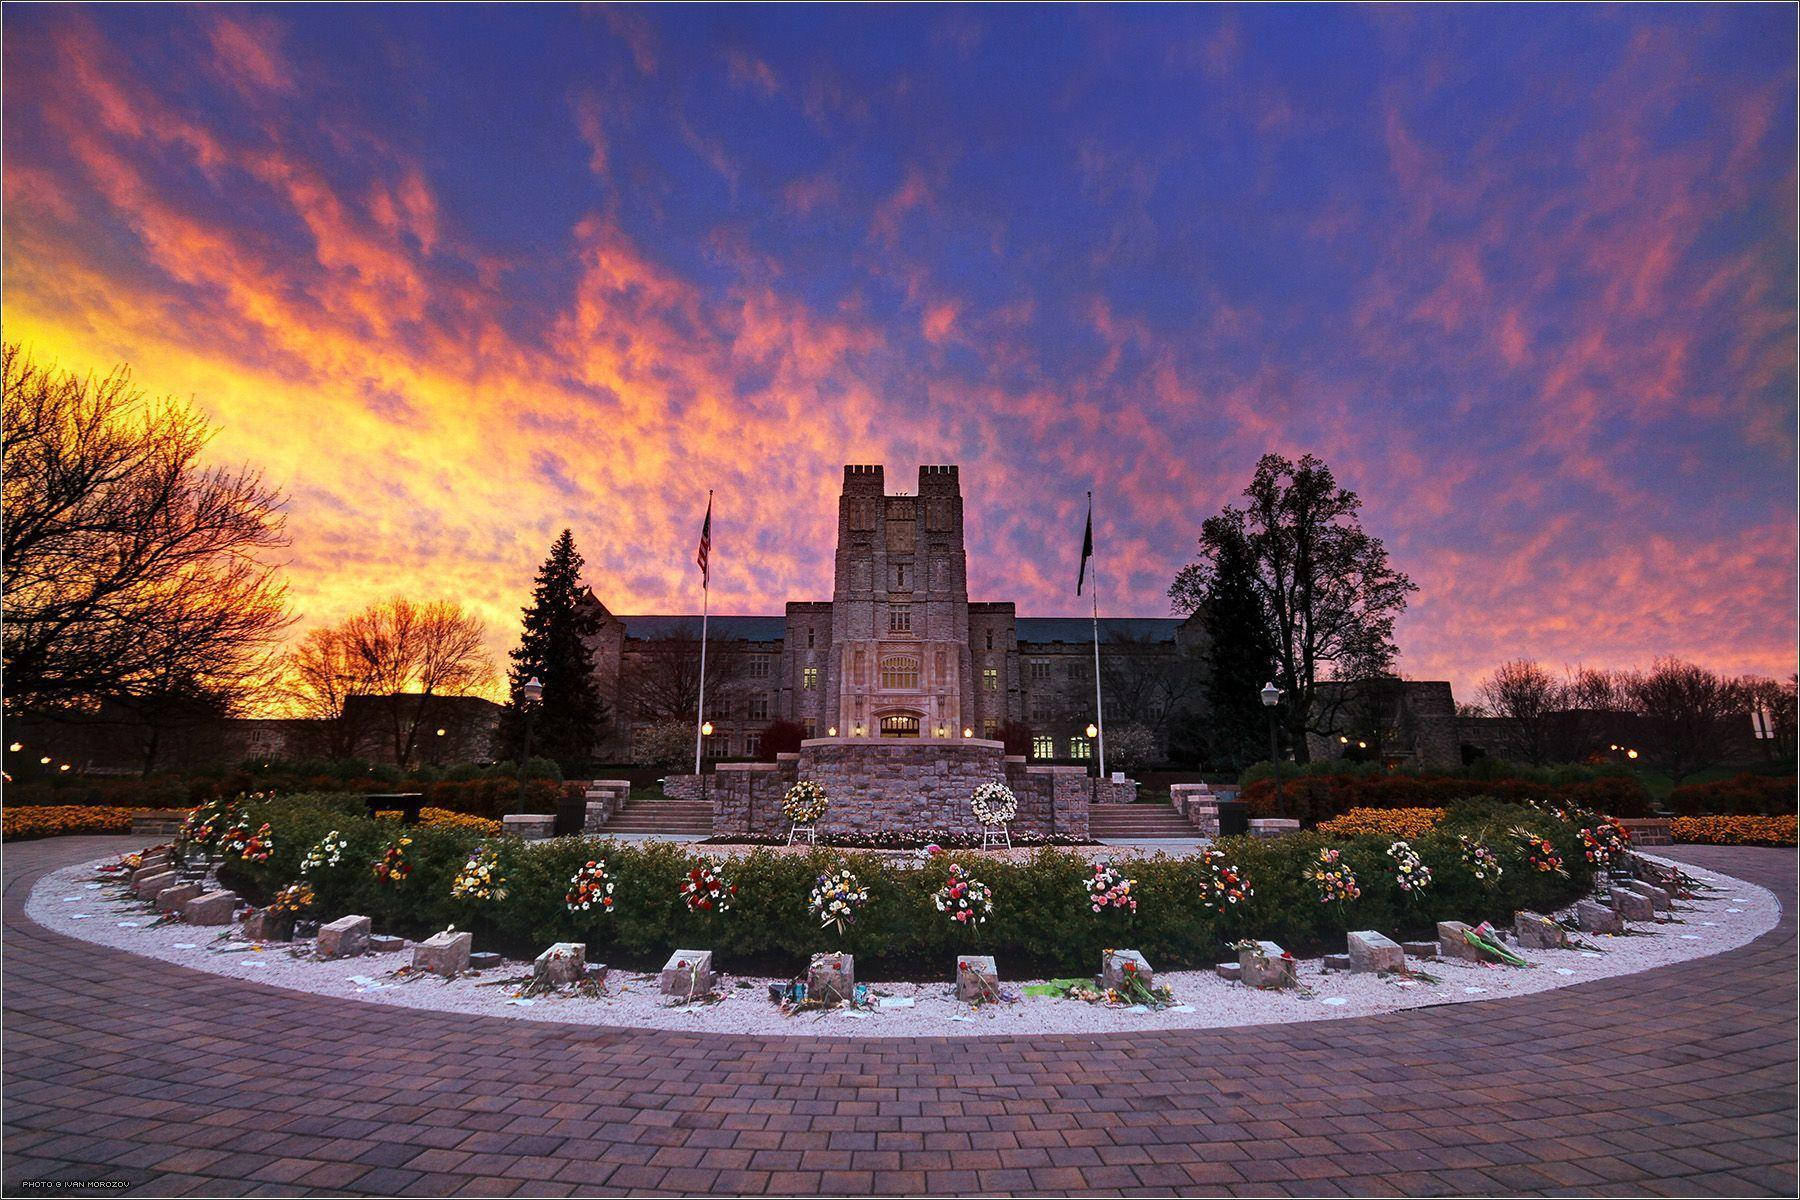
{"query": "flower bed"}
{"type": "Point", "coordinates": [1042, 917]}
{"type": "Point", "coordinates": [1385, 822]}
{"type": "Point", "coordinates": [1313, 798]}
{"type": "Point", "coordinates": [55, 820]}
{"type": "Point", "coordinates": [1734, 831]}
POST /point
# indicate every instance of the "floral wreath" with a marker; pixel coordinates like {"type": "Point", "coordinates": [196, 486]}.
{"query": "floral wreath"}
{"type": "Point", "coordinates": [1109, 889]}
{"type": "Point", "coordinates": [1481, 860]}
{"type": "Point", "coordinates": [251, 847]}
{"type": "Point", "coordinates": [392, 867]}
{"type": "Point", "coordinates": [1223, 885]}
{"type": "Point", "coordinates": [1410, 872]}
{"type": "Point", "coordinates": [805, 803]}
{"type": "Point", "coordinates": [1542, 852]}
{"type": "Point", "coordinates": [994, 804]}
{"type": "Point", "coordinates": [1335, 880]}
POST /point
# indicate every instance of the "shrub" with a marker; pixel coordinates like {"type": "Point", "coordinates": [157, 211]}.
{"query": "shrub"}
{"type": "Point", "coordinates": [1314, 797]}
{"type": "Point", "coordinates": [1764, 795]}
{"type": "Point", "coordinates": [55, 820]}
{"type": "Point", "coordinates": [1041, 922]}
{"type": "Point", "coordinates": [1734, 830]}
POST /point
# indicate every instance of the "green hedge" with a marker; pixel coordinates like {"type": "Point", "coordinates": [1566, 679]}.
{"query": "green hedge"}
{"type": "Point", "coordinates": [1319, 797]}
{"type": "Point", "coordinates": [1041, 923]}
{"type": "Point", "coordinates": [491, 796]}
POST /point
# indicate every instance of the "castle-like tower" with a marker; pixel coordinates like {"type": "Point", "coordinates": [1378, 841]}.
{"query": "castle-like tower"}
{"type": "Point", "coordinates": [899, 664]}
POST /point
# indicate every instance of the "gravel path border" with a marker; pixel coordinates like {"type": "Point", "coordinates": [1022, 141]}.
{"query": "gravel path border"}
{"type": "Point", "coordinates": [72, 901]}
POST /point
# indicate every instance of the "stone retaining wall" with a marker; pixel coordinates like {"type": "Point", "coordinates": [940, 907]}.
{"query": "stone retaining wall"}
{"type": "Point", "coordinates": [878, 785]}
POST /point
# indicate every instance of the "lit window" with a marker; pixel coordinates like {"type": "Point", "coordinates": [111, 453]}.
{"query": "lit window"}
{"type": "Point", "coordinates": [990, 679]}
{"type": "Point", "coordinates": [809, 679]}
{"type": "Point", "coordinates": [900, 726]}
{"type": "Point", "coordinates": [900, 619]}
{"type": "Point", "coordinates": [1079, 748]}
{"type": "Point", "coordinates": [1043, 746]}
{"type": "Point", "coordinates": [899, 673]}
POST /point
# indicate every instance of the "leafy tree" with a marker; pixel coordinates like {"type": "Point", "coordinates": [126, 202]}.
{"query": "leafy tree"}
{"type": "Point", "coordinates": [1329, 595]}
{"type": "Point", "coordinates": [132, 573]}
{"type": "Point", "coordinates": [571, 718]}
{"type": "Point", "coordinates": [1239, 654]}
{"type": "Point", "coordinates": [1129, 748]}
{"type": "Point", "coordinates": [668, 743]}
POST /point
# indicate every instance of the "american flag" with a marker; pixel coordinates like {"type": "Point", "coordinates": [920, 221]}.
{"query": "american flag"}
{"type": "Point", "coordinates": [705, 551]}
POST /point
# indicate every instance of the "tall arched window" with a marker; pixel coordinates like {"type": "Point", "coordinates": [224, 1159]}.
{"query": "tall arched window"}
{"type": "Point", "coordinates": [901, 673]}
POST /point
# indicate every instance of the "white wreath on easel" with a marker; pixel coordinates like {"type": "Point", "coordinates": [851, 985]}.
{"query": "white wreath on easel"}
{"type": "Point", "coordinates": [994, 805]}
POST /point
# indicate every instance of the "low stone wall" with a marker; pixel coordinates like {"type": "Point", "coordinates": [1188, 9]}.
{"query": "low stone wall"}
{"type": "Point", "coordinates": [683, 787]}
{"type": "Point", "coordinates": [877, 785]}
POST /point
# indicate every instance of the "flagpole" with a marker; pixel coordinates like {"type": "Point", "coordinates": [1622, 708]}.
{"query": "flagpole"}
{"type": "Point", "coordinates": [1099, 714]}
{"type": "Point", "coordinates": [705, 608]}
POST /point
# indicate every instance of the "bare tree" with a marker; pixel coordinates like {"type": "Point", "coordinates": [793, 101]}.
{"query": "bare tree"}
{"type": "Point", "coordinates": [663, 677]}
{"type": "Point", "coordinates": [127, 564]}
{"type": "Point", "coordinates": [323, 673]}
{"type": "Point", "coordinates": [1684, 710]}
{"type": "Point", "coordinates": [412, 653]}
{"type": "Point", "coordinates": [1529, 698]}
{"type": "Point", "coordinates": [1776, 701]}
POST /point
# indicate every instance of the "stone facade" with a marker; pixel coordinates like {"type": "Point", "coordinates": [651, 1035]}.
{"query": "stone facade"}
{"type": "Point", "coordinates": [880, 784]}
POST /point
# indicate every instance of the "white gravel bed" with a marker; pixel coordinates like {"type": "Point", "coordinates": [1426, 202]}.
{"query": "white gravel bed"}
{"type": "Point", "coordinates": [70, 901]}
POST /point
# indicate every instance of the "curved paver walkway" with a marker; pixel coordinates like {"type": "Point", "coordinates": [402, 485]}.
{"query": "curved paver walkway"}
{"type": "Point", "coordinates": [1677, 1080]}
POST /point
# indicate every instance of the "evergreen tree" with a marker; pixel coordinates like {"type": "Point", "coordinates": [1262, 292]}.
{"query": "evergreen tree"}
{"type": "Point", "coordinates": [570, 719]}
{"type": "Point", "coordinates": [1240, 655]}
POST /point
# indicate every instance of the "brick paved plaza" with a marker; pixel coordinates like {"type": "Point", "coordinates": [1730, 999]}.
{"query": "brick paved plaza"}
{"type": "Point", "coordinates": [117, 1068]}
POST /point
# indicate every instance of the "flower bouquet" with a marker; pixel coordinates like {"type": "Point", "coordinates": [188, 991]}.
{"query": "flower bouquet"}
{"type": "Point", "coordinates": [803, 805]}
{"type": "Point", "coordinates": [480, 877]}
{"type": "Point", "coordinates": [328, 853]}
{"type": "Point", "coordinates": [590, 888]}
{"type": "Point", "coordinates": [1480, 859]}
{"type": "Point", "coordinates": [1334, 878]}
{"type": "Point", "coordinates": [1222, 885]}
{"type": "Point", "coordinates": [836, 898]}
{"type": "Point", "coordinates": [964, 900]}
{"type": "Point", "coordinates": [1410, 872]}
{"type": "Point", "coordinates": [1133, 989]}
{"type": "Point", "coordinates": [1606, 843]}
{"type": "Point", "coordinates": [706, 889]}
{"type": "Point", "coordinates": [251, 847]}
{"type": "Point", "coordinates": [393, 866]}
{"type": "Point", "coordinates": [1541, 852]}
{"type": "Point", "coordinates": [293, 899]}
{"type": "Point", "coordinates": [1106, 888]}
{"type": "Point", "coordinates": [203, 827]}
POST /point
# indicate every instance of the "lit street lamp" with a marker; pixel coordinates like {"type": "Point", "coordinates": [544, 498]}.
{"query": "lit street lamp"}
{"type": "Point", "coordinates": [529, 695]}
{"type": "Point", "coordinates": [1271, 696]}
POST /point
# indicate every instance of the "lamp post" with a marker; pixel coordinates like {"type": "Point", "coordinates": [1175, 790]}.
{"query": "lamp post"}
{"type": "Point", "coordinates": [1092, 732]}
{"type": "Point", "coordinates": [1271, 696]}
{"type": "Point", "coordinates": [529, 695]}
{"type": "Point", "coordinates": [706, 728]}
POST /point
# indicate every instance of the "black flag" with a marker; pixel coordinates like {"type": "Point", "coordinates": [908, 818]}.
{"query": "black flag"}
{"type": "Point", "coordinates": [1087, 546]}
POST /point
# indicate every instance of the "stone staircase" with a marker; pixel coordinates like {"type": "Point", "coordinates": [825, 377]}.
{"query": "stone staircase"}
{"type": "Point", "coordinates": [1137, 822]}
{"type": "Point", "coordinates": [680, 818]}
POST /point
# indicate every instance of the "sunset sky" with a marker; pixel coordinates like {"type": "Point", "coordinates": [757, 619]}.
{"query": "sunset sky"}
{"type": "Point", "coordinates": [455, 278]}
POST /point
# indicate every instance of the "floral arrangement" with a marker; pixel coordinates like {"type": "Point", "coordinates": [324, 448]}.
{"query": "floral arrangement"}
{"type": "Point", "coordinates": [1605, 842]}
{"type": "Point", "coordinates": [1481, 860]}
{"type": "Point", "coordinates": [805, 803]}
{"type": "Point", "coordinates": [293, 899]}
{"type": "Point", "coordinates": [707, 890]}
{"type": "Point", "coordinates": [590, 888]}
{"type": "Point", "coordinates": [480, 877]}
{"type": "Point", "coordinates": [251, 847]}
{"type": "Point", "coordinates": [1132, 989]}
{"type": "Point", "coordinates": [328, 853]}
{"type": "Point", "coordinates": [964, 900]}
{"type": "Point", "coordinates": [1334, 878]}
{"type": "Point", "coordinates": [1106, 888]}
{"type": "Point", "coordinates": [835, 899]}
{"type": "Point", "coordinates": [1541, 851]}
{"type": "Point", "coordinates": [1410, 872]}
{"type": "Point", "coordinates": [55, 820]}
{"type": "Point", "coordinates": [994, 804]}
{"type": "Point", "coordinates": [1223, 885]}
{"type": "Point", "coordinates": [203, 827]}
{"type": "Point", "coordinates": [392, 867]}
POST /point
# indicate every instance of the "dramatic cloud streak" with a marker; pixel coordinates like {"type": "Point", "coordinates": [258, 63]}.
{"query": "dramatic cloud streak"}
{"type": "Point", "coordinates": [456, 278]}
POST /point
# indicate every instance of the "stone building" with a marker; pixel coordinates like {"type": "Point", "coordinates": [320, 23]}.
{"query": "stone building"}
{"type": "Point", "coordinates": [899, 651]}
